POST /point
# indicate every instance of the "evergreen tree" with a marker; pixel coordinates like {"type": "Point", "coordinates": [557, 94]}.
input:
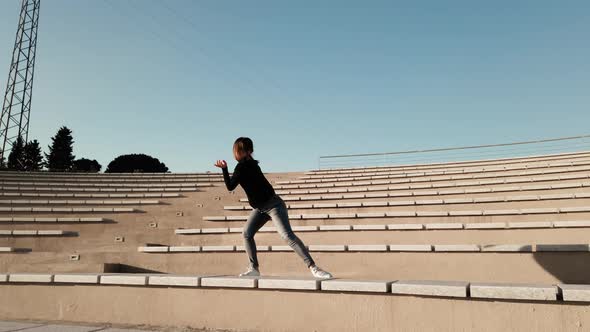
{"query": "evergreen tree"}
{"type": "Point", "coordinates": [15, 158]}
{"type": "Point", "coordinates": [137, 162]}
{"type": "Point", "coordinates": [32, 159]}
{"type": "Point", "coordinates": [86, 165]}
{"type": "Point", "coordinates": [60, 157]}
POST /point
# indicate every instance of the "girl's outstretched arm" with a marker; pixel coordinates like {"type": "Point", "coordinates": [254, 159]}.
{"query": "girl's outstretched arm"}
{"type": "Point", "coordinates": [230, 182]}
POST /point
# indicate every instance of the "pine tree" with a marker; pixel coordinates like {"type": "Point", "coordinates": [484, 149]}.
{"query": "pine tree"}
{"type": "Point", "coordinates": [15, 158]}
{"type": "Point", "coordinates": [60, 157]}
{"type": "Point", "coordinates": [32, 159]}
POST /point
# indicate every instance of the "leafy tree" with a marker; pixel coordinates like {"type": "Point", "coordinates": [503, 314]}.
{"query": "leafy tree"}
{"type": "Point", "coordinates": [86, 165]}
{"type": "Point", "coordinates": [60, 157]}
{"type": "Point", "coordinates": [32, 159]}
{"type": "Point", "coordinates": [136, 163]}
{"type": "Point", "coordinates": [2, 163]}
{"type": "Point", "coordinates": [15, 158]}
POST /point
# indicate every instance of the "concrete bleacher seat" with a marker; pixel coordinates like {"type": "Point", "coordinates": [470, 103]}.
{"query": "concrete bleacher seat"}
{"type": "Point", "coordinates": [27, 232]}
{"type": "Point", "coordinates": [464, 289]}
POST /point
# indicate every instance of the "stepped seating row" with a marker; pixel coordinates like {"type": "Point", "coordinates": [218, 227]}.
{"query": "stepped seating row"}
{"type": "Point", "coordinates": [54, 181]}
{"type": "Point", "coordinates": [399, 189]}
{"type": "Point", "coordinates": [439, 248]}
{"type": "Point", "coordinates": [106, 185]}
{"type": "Point", "coordinates": [397, 227]}
{"type": "Point", "coordinates": [81, 195]}
{"type": "Point", "coordinates": [28, 232]}
{"type": "Point", "coordinates": [461, 289]}
{"type": "Point", "coordinates": [107, 175]}
{"type": "Point", "coordinates": [501, 161]}
{"type": "Point", "coordinates": [93, 189]}
{"type": "Point", "coordinates": [463, 200]}
{"type": "Point", "coordinates": [54, 219]}
{"type": "Point", "coordinates": [408, 214]}
{"type": "Point", "coordinates": [70, 210]}
{"type": "Point", "coordinates": [484, 172]}
{"type": "Point", "coordinates": [79, 202]}
{"type": "Point", "coordinates": [490, 180]}
{"type": "Point", "coordinates": [12, 250]}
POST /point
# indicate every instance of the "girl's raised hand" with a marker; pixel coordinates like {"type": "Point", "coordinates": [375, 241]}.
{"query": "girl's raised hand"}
{"type": "Point", "coordinates": [221, 164]}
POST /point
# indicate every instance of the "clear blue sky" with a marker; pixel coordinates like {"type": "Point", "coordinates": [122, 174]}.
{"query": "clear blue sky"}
{"type": "Point", "coordinates": [181, 79]}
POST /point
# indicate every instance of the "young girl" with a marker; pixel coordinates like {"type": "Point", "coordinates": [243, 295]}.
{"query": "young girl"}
{"type": "Point", "coordinates": [266, 205]}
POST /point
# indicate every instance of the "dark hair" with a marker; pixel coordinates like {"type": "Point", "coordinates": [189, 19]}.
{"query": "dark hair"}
{"type": "Point", "coordinates": [244, 144]}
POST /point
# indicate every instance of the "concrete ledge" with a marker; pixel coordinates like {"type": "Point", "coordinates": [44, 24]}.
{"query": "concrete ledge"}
{"type": "Point", "coordinates": [218, 248]}
{"type": "Point", "coordinates": [288, 283]}
{"type": "Point", "coordinates": [367, 247]}
{"type": "Point", "coordinates": [369, 227]}
{"type": "Point", "coordinates": [530, 224]}
{"type": "Point", "coordinates": [229, 281]}
{"type": "Point", "coordinates": [513, 291]}
{"type": "Point", "coordinates": [568, 224]}
{"type": "Point", "coordinates": [435, 226]}
{"type": "Point", "coordinates": [485, 225]}
{"type": "Point", "coordinates": [577, 293]}
{"type": "Point", "coordinates": [562, 247]}
{"type": "Point", "coordinates": [327, 247]}
{"type": "Point", "coordinates": [456, 248]}
{"type": "Point", "coordinates": [430, 288]}
{"type": "Point", "coordinates": [76, 278]}
{"type": "Point", "coordinates": [214, 230]}
{"type": "Point", "coordinates": [187, 231]}
{"type": "Point", "coordinates": [258, 248]}
{"type": "Point", "coordinates": [3, 277]}
{"type": "Point", "coordinates": [123, 279]}
{"type": "Point", "coordinates": [335, 227]}
{"type": "Point", "coordinates": [30, 277]}
{"type": "Point", "coordinates": [507, 248]}
{"type": "Point", "coordinates": [175, 280]}
{"type": "Point", "coordinates": [342, 215]}
{"type": "Point", "coordinates": [410, 247]}
{"type": "Point", "coordinates": [6, 249]}
{"type": "Point", "coordinates": [405, 227]}
{"type": "Point", "coordinates": [375, 286]}
{"type": "Point", "coordinates": [304, 228]}
{"type": "Point", "coordinates": [153, 249]}
{"type": "Point", "coordinates": [184, 249]}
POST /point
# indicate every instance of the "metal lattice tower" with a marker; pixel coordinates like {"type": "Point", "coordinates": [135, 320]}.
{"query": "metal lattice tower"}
{"type": "Point", "coordinates": [16, 108]}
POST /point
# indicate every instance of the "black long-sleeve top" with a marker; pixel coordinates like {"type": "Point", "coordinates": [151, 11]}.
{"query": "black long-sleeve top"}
{"type": "Point", "coordinates": [248, 174]}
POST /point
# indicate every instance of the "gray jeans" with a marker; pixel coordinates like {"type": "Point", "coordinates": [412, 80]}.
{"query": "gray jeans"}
{"type": "Point", "coordinates": [275, 209]}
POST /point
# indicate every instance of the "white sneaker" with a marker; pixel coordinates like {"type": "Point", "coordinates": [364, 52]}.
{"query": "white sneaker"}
{"type": "Point", "coordinates": [251, 272]}
{"type": "Point", "coordinates": [319, 273]}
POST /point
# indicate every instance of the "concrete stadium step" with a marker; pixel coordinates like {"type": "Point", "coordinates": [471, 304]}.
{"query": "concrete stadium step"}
{"type": "Point", "coordinates": [537, 266]}
{"type": "Point", "coordinates": [451, 170]}
{"type": "Point", "coordinates": [462, 289]}
{"type": "Point", "coordinates": [21, 202]}
{"type": "Point", "coordinates": [450, 189]}
{"type": "Point", "coordinates": [447, 201]}
{"type": "Point", "coordinates": [35, 233]}
{"type": "Point", "coordinates": [69, 210]}
{"type": "Point", "coordinates": [526, 176]}
{"type": "Point", "coordinates": [102, 179]}
{"type": "Point", "coordinates": [443, 233]}
{"type": "Point", "coordinates": [486, 172]}
{"type": "Point", "coordinates": [11, 250]}
{"type": "Point", "coordinates": [105, 185]}
{"type": "Point", "coordinates": [397, 227]}
{"type": "Point", "coordinates": [53, 219]}
{"type": "Point", "coordinates": [393, 248]}
{"type": "Point", "coordinates": [80, 195]}
{"type": "Point", "coordinates": [412, 213]}
{"type": "Point", "coordinates": [108, 175]}
{"type": "Point", "coordinates": [498, 161]}
{"type": "Point", "coordinates": [105, 189]}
